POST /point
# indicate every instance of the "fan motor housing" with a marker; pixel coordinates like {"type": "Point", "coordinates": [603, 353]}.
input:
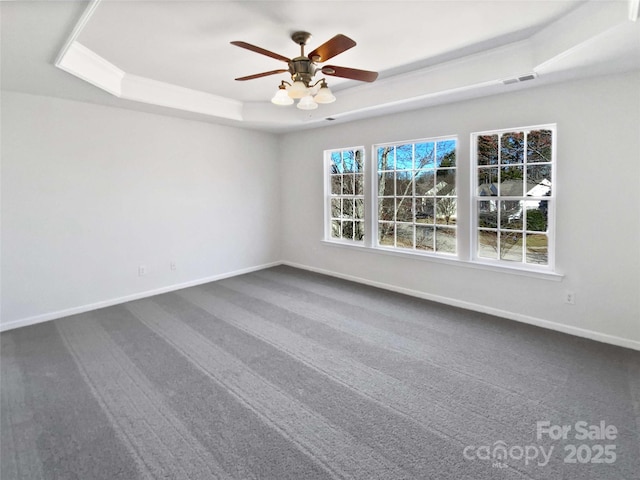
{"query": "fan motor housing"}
{"type": "Point", "coordinates": [301, 68]}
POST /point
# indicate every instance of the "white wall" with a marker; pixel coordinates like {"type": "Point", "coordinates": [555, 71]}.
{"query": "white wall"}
{"type": "Point", "coordinates": [89, 193]}
{"type": "Point", "coordinates": [598, 203]}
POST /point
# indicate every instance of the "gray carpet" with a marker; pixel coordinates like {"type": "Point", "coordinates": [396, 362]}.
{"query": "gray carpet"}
{"type": "Point", "coordinates": [285, 374]}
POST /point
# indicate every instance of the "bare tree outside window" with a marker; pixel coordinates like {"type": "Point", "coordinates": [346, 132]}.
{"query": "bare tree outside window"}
{"type": "Point", "coordinates": [412, 198]}
{"type": "Point", "coordinates": [346, 194]}
{"type": "Point", "coordinates": [416, 187]}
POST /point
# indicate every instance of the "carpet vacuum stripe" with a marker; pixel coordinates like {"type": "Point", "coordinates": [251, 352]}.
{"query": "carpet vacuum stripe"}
{"type": "Point", "coordinates": [371, 383]}
{"type": "Point", "coordinates": [19, 455]}
{"type": "Point", "coordinates": [364, 380]}
{"type": "Point", "coordinates": [147, 424]}
{"type": "Point", "coordinates": [336, 451]}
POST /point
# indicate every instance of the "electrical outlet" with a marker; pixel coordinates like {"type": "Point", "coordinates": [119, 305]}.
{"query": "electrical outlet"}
{"type": "Point", "coordinates": [142, 271]}
{"type": "Point", "coordinates": [570, 298]}
{"type": "Point", "coordinates": [172, 265]}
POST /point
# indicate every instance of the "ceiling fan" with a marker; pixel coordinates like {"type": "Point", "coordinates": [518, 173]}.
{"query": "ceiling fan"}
{"type": "Point", "coordinates": [304, 68]}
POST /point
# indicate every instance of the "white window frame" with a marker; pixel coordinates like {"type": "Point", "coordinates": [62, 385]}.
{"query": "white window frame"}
{"type": "Point", "coordinates": [374, 198]}
{"type": "Point", "coordinates": [467, 215]}
{"type": "Point", "coordinates": [328, 197]}
{"type": "Point", "coordinates": [551, 199]}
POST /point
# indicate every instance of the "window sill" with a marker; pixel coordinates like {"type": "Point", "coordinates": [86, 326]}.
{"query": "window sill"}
{"type": "Point", "coordinates": [546, 275]}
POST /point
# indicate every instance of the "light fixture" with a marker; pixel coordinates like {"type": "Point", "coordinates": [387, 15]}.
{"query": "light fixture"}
{"type": "Point", "coordinates": [300, 89]}
{"type": "Point", "coordinates": [282, 96]}
{"type": "Point", "coordinates": [307, 103]}
{"type": "Point", "coordinates": [324, 95]}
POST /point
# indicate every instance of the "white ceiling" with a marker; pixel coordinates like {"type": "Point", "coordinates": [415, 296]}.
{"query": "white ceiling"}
{"type": "Point", "coordinates": [175, 56]}
{"type": "Point", "coordinates": [187, 43]}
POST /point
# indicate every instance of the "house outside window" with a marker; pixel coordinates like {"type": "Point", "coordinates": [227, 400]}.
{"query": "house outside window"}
{"type": "Point", "coordinates": [514, 196]}
{"type": "Point", "coordinates": [404, 199]}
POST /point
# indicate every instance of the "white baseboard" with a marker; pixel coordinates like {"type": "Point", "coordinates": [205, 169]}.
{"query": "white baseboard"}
{"type": "Point", "coordinates": [23, 322]}
{"type": "Point", "coordinates": [579, 332]}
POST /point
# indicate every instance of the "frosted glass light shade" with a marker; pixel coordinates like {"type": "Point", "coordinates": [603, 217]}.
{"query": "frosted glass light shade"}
{"type": "Point", "coordinates": [307, 103]}
{"type": "Point", "coordinates": [298, 90]}
{"type": "Point", "coordinates": [324, 95]}
{"type": "Point", "coordinates": [282, 97]}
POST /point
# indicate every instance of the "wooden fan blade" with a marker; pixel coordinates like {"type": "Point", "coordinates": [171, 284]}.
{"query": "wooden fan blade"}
{"type": "Point", "coordinates": [330, 49]}
{"type": "Point", "coordinates": [353, 73]}
{"type": "Point", "coordinates": [262, 51]}
{"type": "Point", "coordinates": [263, 74]}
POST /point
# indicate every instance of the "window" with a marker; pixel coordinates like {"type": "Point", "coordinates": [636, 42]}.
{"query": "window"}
{"type": "Point", "coordinates": [513, 199]}
{"type": "Point", "coordinates": [345, 194]}
{"type": "Point", "coordinates": [416, 195]}
{"type": "Point", "coordinates": [403, 200]}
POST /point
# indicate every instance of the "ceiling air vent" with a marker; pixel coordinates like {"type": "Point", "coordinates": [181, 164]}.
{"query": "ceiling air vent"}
{"type": "Point", "coordinates": [524, 78]}
{"type": "Point", "coordinates": [521, 78]}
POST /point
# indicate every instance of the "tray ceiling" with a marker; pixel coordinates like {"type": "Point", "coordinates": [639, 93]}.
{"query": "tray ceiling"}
{"type": "Point", "coordinates": [176, 55]}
